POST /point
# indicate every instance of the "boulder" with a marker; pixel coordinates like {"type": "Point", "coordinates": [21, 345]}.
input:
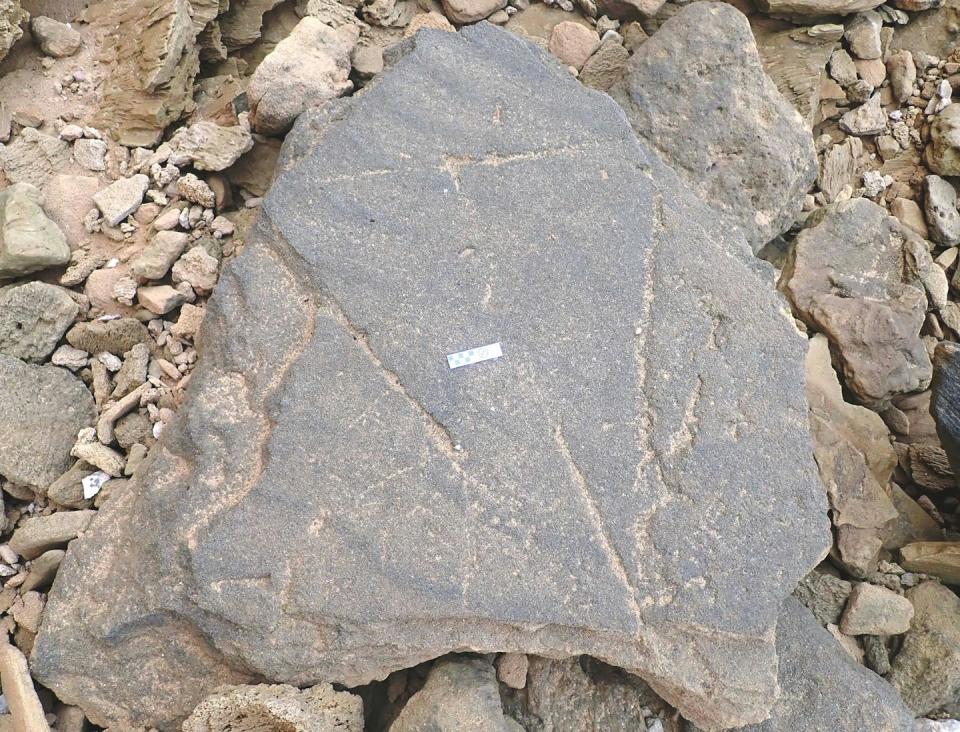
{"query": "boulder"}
{"type": "Point", "coordinates": [460, 694]}
{"type": "Point", "coordinates": [926, 671]}
{"type": "Point", "coordinates": [846, 279]}
{"type": "Point", "coordinates": [278, 707]}
{"type": "Point", "coordinates": [42, 408]}
{"type": "Point", "coordinates": [945, 403]}
{"type": "Point", "coordinates": [307, 69]}
{"type": "Point", "coordinates": [696, 92]}
{"type": "Point", "coordinates": [855, 458]}
{"type": "Point", "coordinates": [593, 491]}
{"type": "Point", "coordinates": [29, 241]}
{"type": "Point", "coordinates": [11, 16]}
{"type": "Point", "coordinates": [33, 319]}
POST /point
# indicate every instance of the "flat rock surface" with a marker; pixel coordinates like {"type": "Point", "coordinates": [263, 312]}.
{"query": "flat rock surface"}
{"type": "Point", "coordinates": [696, 91]}
{"type": "Point", "coordinates": [334, 503]}
{"type": "Point", "coordinates": [41, 410]}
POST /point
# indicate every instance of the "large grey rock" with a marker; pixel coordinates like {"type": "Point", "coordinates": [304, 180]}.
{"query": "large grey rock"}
{"type": "Point", "coordinates": [697, 93]}
{"type": "Point", "coordinates": [847, 279]}
{"type": "Point", "coordinates": [41, 410]}
{"type": "Point", "coordinates": [822, 688]}
{"type": "Point", "coordinates": [335, 503]}
{"type": "Point", "coordinates": [29, 241]}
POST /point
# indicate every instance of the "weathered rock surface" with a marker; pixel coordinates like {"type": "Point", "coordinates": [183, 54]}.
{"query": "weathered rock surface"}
{"type": "Point", "coordinates": [926, 672]}
{"type": "Point", "coordinates": [816, 8]}
{"type": "Point", "coordinates": [11, 16]}
{"type": "Point", "coordinates": [943, 152]}
{"type": "Point", "coordinates": [33, 318]}
{"type": "Point", "coordinates": [873, 610]}
{"type": "Point", "coordinates": [697, 93]}
{"type": "Point", "coordinates": [34, 157]}
{"type": "Point", "coordinates": [121, 198]}
{"type": "Point", "coordinates": [605, 67]}
{"type": "Point", "coordinates": [346, 446]}
{"type": "Point", "coordinates": [209, 146]}
{"type": "Point", "coordinates": [945, 403]}
{"type": "Point", "coordinates": [264, 707]}
{"type": "Point", "coordinates": [55, 38]}
{"type": "Point", "coordinates": [938, 558]}
{"type": "Point", "coordinates": [38, 535]}
{"type": "Point", "coordinates": [41, 410]}
{"type": "Point", "coordinates": [935, 32]}
{"type": "Point", "coordinates": [29, 241]}
{"type": "Point", "coordinates": [855, 459]}
{"type": "Point", "coordinates": [940, 209]}
{"type": "Point", "coordinates": [460, 694]}
{"type": "Point", "coordinates": [470, 11]}
{"type": "Point", "coordinates": [307, 69]}
{"type": "Point", "coordinates": [823, 594]}
{"type": "Point", "coordinates": [240, 25]}
{"type": "Point", "coordinates": [845, 279]}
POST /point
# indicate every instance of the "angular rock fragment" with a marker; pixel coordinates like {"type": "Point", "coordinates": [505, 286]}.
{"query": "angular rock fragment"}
{"type": "Point", "coordinates": [470, 11]}
{"type": "Point", "coordinates": [938, 558]}
{"type": "Point", "coordinates": [287, 708]}
{"type": "Point", "coordinates": [29, 241]}
{"type": "Point", "coordinates": [41, 410]}
{"type": "Point", "coordinates": [34, 157]}
{"type": "Point", "coordinates": [605, 67]}
{"type": "Point", "coordinates": [240, 25]}
{"type": "Point", "coordinates": [121, 198]}
{"type": "Point", "coordinates": [209, 146]}
{"type": "Point", "coordinates": [308, 68]}
{"type": "Point", "coordinates": [873, 610]}
{"type": "Point", "coordinates": [945, 404]}
{"type": "Point", "coordinates": [823, 594]}
{"type": "Point", "coordinates": [545, 502]}
{"type": "Point", "coordinates": [903, 74]}
{"type": "Point", "coordinates": [840, 167]}
{"type": "Point", "coordinates": [55, 38]}
{"type": "Point", "coordinates": [845, 279]}
{"type": "Point", "coordinates": [164, 249]}
{"type": "Point", "coordinates": [863, 34]}
{"type": "Point", "coordinates": [573, 43]}
{"type": "Point", "coordinates": [926, 671]}
{"type": "Point", "coordinates": [718, 119]}
{"type": "Point", "coordinates": [38, 535]}
{"type": "Point", "coordinates": [943, 153]}
{"type": "Point", "coordinates": [11, 16]}
{"type": "Point", "coordinates": [113, 336]}
{"type": "Point", "coordinates": [459, 694]}
{"type": "Point", "coordinates": [33, 318]}
{"type": "Point", "coordinates": [816, 8]}
{"type": "Point", "coordinates": [867, 119]}
{"type": "Point", "coordinates": [940, 208]}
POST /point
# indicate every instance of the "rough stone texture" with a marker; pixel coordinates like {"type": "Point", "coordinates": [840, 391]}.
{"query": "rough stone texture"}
{"type": "Point", "coordinates": [33, 318]}
{"type": "Point", "coordinates": [470, 11]}
{"type": "Point", "coordinates": [938, 558]}
{"type": "Point", "coordinates": [278, 707]}
{"type": "Point", "coordinates": [796, 66]}
{"type": "Point", "coordinates": [573, 43]}
{"type": "Point", "coordinates": [940, 208]}
{"type": "Point", "coordinates": [38, 535]}
{"type": "Point", "coordinates": [698, 94]}
{"type": "Point", "coordinates": [41, 410]}
{"type": "Point", "coordinates": [912, 524]}
{"type": "Point", "coordinates": [150, 60]}
{"type": "Point", "coordinates": [541, 503]}
{"type": "Point", "coordinates": [863, 35]}
{"type": "Point", "coordinates": [845, 278]}
{"type": "Point", "coordinates": [822, 688]}
{"type": "Point", "coordinates": [926, 671]}
{"type": "Point", "coordinates": [823, 594]}
{"type": "Point", "coordinates": [903, 74]}
{"type": "Point", "coordinates": [209, 146]}
{"type": "Point", "coordinates": [155, 260]}
{"type": "Point", "coordinates": [460, 694]}
{"type": "Point", "coordinates": [307, 69]}
{"type": "Point", "coordinates": [512, 669]}
{"type": "Point", "coordinates": [866, 120]}
{"type": "Point", "coordinates": [240, 25]}
{"type": "Point", "coordinates": [855, 459]}
{"type": "Point", "coordinates": [29, 241]}
{"type": "Point", "coordinates": [873, 610]}
{"type": "Point", "coordinates": [629, 9]}
{"type": "Point", "coordinates": [945, 403]}
{"type": "Point", "coordinates": [943, 153]}
{"type": "Point", "coordinates": [11, 16]}
{"type": "Point", "coordinates": [575, 694]}
{"type": "Point", "coordinates": [936, 32]}
{"type": "Point", "coordinates": [605, 67]}
{"type": "Point", "coordinates": [34, 157]}
{"type": "Point", "coordinates": [121, 198]}
{"type": "Point", "coordinates": [115, 336]}
{"type": "Point", "coordinates": [55, 38]}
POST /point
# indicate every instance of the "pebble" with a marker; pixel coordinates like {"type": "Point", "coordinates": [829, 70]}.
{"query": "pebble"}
{"type": "Point", "coordinates": [71, 132]}
{"type": "Point", "coordinates": [164, 249]}
{"type": "Point", "coordinates": [116, 336]}
{"type": "Point", "coordinates": [940, 208]}
{"type": "Point", "coordinates": [573, 43]}
{"type": "Point", "coordinates": [863, 35]}
{"type": "Point", "coordinates": [33, 319]}
{"type": "Point", "coordinates": [121, 198]}
{"type": "Point", "coordinates": [160, 299]}
{"type": "Point", "coordinates": [88, 449]}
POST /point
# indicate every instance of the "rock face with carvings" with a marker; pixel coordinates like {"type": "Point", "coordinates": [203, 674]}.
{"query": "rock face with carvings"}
{"type": "Point", "coordinates": [335, 503]}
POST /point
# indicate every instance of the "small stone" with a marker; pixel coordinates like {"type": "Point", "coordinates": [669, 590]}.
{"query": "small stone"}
{"type": "Point", "coordinates": [938, 558]}
{"type": "Point", "coordinates": [164, 249]}
{"type": "Point", "coordinates": [197, 268]}
{"type": "Point", "coordinates": [842, 68]}
{"type": "Point", "coordinates": [909, 213]}
{"type": "Point", "coordinates": [29, 241]}
{"type": "Point", "coordinates": [940, 208]}
{"type": "Point", "coordinates": [221, 226]}
{"type": "Point", "coordinates": [27, 609]}
{"type": "Point", "coordinates": [512, 669]}
{"type": "Point", "coordinates": [189, 321]}
{"type": "Point", "coordinates": [33, 318]}
{"type": "Point", "coordinates": [573, 43]}
{"type": "Point", "coordinates": [168, 220]}
{"type": "Point", "coordinates": [55, 38]}
{"type": "Point", "coordinates": [70, 357]}
{"type": "Point", "coordinates": [825, 595]}
{"type": "Point", "coordinates": [160, 299]}
{"type": "Point", "coordinates": [28, 117]}
{"type": "Point", "coordinates": [424, 20]}
{"type": "Point", "coordinates": [605, 67]}
{"type": "Point", "coordinates": [849, 644]}
{"type": "Point", "coordinates": [89, 450]}
{"type": "Point", "coordinates": [38, 535]}
{"type": "Point", "coordinates": [121, 198]}
{"type": "Point", "coordinates": [863, 35]}
{"type": "Point", "coordinates": [462, 12]}
{"type": "Point", "coordinates": [209, 146]}
{"type": "Point", "coordinates": [873, 610]}
{"type": "Point", "coordinates": [124, 290]}
{"type": "Point", "coordinates": [67, 490]}
{"type": "Point", "coordinates": [71, 132]}
{"type": "Point", "coordinates": [133, 372]}
{"type": "Point", "coordinates": [25, 710]}
{"type": "Point", "coordinates": [875, 183]}
{"type": "Point", "coordinates": [367, 60]}
{"type": "Point", "coordinates": [196, 191]}
{"type": "Point", "coordinates": [859, 91]}
{"type": "Point", "coordinates": [943, 152]}
{"type": "Point", "coordinates": [113, 336]}
{"type": "Point", "coordinates": [135, 456]}
{"type": "Point", "coordinates": [874, 71]}
{"type": "Point", "coordinates": [867, 119]}
{"type": "Point", "coordinates": [42, 570]}
{"type": "Point", "coordinates": [90, 154]}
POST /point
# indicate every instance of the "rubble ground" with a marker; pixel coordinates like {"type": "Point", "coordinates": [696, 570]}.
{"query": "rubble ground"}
{"type": "Point", "coordinates": [716, 486]}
